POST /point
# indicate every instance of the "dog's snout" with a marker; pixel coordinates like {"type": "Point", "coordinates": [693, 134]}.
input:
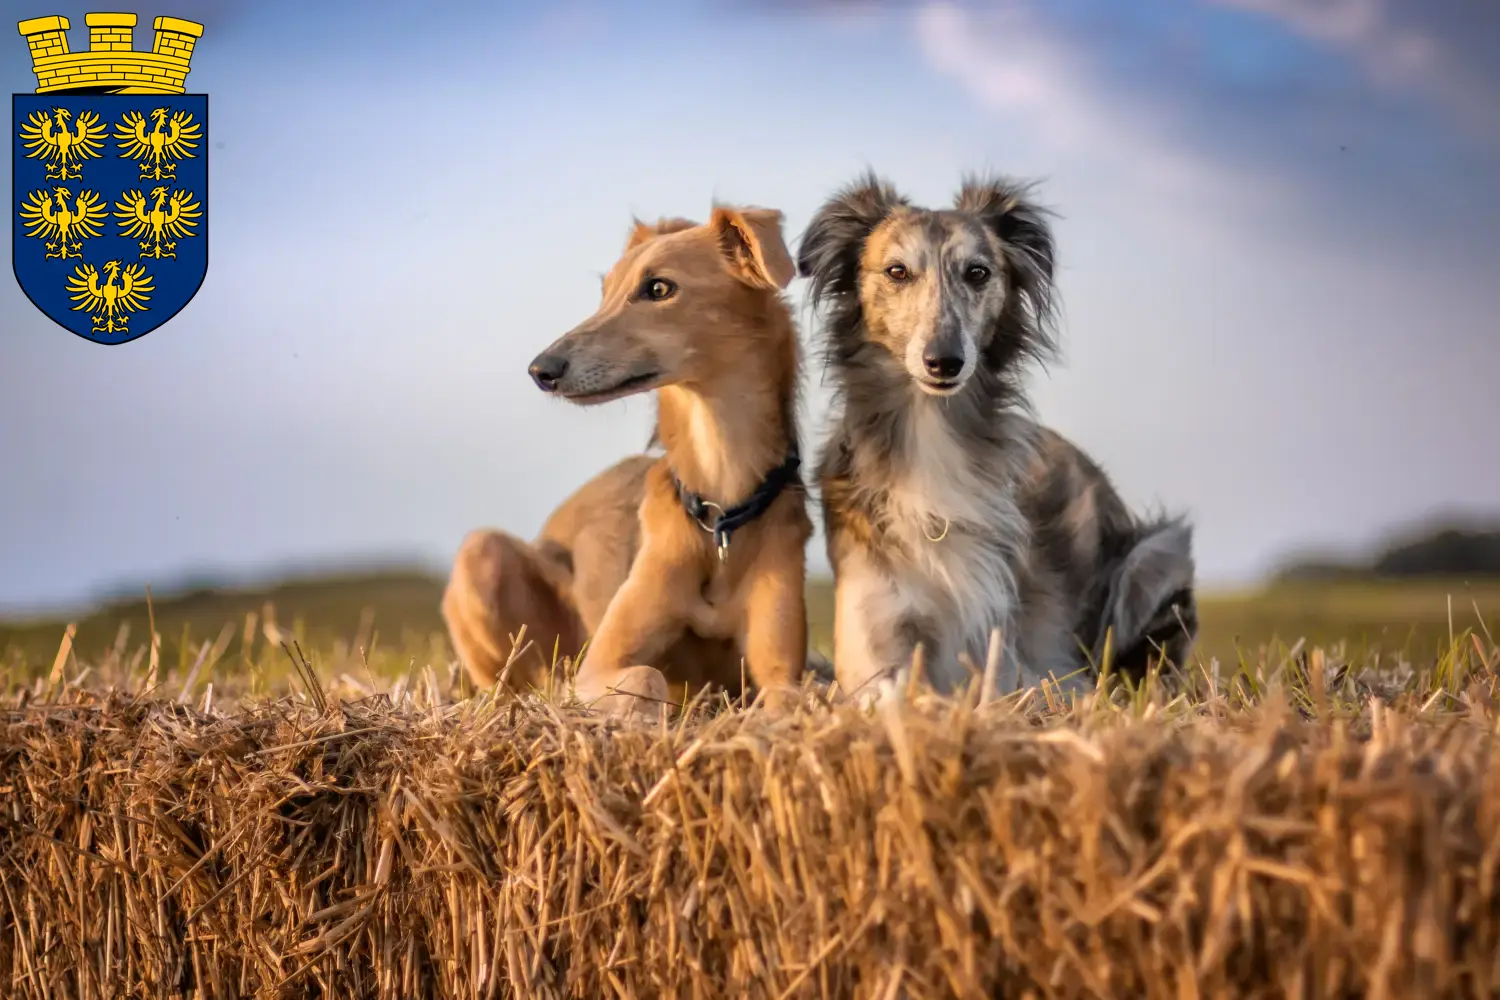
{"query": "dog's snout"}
{"type": "Point", "coordinates": [547, 370]}
{"type": "Point", "coordinates": [942, 365]}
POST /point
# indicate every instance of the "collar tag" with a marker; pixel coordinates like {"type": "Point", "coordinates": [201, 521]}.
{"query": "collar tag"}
{"type": "Point", "coordinates": [728, 521]}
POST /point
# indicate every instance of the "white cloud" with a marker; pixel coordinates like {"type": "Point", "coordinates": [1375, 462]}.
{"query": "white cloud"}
{"type": "Point", "coordinates": [1345, 21]}
{"type": "Point", "coordinates": [1014, 62]}
{"type": "Point", "coordinates": [1394, 54]}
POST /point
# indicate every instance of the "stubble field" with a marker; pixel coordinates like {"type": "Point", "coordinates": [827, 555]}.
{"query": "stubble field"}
{"type": "Point", "coordinates": [291, 793]}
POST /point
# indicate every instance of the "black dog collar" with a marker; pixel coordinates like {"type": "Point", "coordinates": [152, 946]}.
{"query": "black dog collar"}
{"type": "Point", "coordinates": [733, 518]}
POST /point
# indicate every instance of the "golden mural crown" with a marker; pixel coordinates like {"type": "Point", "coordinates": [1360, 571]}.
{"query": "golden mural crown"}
{"type": "Point", "coordinates": [111, 65]}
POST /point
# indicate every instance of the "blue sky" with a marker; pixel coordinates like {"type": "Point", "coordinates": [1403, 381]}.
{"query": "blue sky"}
{"type": "Point", "coordinates": [1279, 235]}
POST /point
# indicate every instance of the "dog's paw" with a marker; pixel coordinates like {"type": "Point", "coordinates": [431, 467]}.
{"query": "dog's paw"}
{"type": "Point", "coordinates": [635, 691]}
{"type": "Point", "coordinates": [878, 692]}
{"type": "Point", "coordinates": [779, 699]}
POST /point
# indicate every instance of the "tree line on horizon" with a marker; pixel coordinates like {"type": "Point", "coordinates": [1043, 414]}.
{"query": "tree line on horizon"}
{"type": "Point", "coordinates": [1448, 551]}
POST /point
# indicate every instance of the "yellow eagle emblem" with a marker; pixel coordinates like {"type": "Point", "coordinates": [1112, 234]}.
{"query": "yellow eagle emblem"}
{"type": "Point", "coordinates": [109, 303]}
{"type": "Point", "coordinates": [165, 218]}
{"type": "Point", "coordinates": [62, 148]}
{"type": "Point", "coordinates": [63, 226]}
{"type": "Point", "coordinates": [157, 150]}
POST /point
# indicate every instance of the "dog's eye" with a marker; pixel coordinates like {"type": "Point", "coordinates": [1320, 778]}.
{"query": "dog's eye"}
{"type": "Point", "coordinates": [897, 272]}
{"type": "Point", "coordinates": [977, 274]}
{"type": "Point", "coordinates": [657, 289]}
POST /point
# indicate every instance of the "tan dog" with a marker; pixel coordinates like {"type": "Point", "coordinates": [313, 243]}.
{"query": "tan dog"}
{"type": "Point", "coordinates": [632, 561]}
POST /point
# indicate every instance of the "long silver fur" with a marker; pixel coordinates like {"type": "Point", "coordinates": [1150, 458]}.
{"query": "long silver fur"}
{"type": "Point", "coordinates": [950, 511]}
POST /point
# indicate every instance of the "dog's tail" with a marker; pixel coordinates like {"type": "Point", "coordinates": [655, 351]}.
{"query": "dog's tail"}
{"type": "Point", "coordinates": [1152, 608]}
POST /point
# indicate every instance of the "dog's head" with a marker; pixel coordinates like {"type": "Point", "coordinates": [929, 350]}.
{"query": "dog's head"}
{"type": "Point", "coordinates": [939, 293]}
{"type": "Point", "coordinates": [672, 302]}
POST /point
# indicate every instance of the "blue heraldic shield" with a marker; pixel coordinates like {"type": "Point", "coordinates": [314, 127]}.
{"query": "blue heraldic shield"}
{"type": "Point", "coordinates": [109, 208]}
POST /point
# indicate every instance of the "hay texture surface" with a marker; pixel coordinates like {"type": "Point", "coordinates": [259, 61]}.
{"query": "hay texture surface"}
{"type": "Point", "coordinates": [489, 849]}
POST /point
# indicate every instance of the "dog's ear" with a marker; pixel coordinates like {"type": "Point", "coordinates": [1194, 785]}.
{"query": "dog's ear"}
{"type": "Point", "coordinates": [831, 246]}
{"type": "Point", "coordinates": [1008, 209]}
{"type": "Point", "coordinates": [641, 232]}
{"type": "Point", "coordinates": [750, 240]}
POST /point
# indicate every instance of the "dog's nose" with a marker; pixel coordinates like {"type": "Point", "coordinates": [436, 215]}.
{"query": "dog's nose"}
{"type": "Point", "coordinates": [547, 370]}
{"type": "Point", "coordinates": [942, 367]}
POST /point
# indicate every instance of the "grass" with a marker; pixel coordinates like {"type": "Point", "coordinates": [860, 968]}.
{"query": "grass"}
{"type": "Point", "coordinates": [1309, 810]}
{"type": "Point", "coordinates": [382, 626]}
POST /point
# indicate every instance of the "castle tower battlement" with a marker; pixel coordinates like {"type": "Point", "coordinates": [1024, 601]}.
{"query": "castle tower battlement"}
{"type": "Point", "coordinates": [111, 32]}
{"type": "Point", "coordinates": [111, 65]}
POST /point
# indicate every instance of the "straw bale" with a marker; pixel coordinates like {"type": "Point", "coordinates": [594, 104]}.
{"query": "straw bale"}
{"type": "Point", "coordinates": [489, 849]}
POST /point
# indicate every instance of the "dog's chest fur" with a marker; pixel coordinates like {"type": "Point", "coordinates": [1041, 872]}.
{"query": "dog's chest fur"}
{"type": "Point", "coordinates": [950, 531]}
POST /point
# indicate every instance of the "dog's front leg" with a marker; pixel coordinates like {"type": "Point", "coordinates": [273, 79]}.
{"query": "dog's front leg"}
{"type": "Point", "coordinates": [875, 630]}
{"type": "Point", "coordinates": [640, 624]}
{"type": "Point", "coordinates": [773, 634]}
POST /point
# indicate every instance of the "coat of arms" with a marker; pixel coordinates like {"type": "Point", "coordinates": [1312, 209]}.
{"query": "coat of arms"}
{"type": "Point", "coordinates": [110, 190]}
